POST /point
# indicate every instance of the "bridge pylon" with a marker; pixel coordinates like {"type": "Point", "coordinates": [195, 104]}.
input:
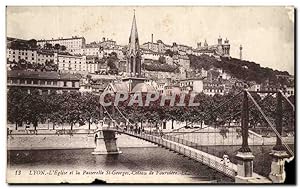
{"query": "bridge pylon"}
{"type": "Point", "coordinates": [105, 142]}
{"type": "Point", "coordinates": [278, 154]}
{"type": "Point", "coordinates": [244, 156]}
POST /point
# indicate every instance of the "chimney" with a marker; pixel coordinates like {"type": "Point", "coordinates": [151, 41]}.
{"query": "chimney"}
{"type": "Point", "coordinates": [152, 38]}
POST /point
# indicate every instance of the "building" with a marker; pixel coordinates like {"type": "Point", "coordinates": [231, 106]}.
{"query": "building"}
{"type": "Point", "coordinates": [45, 82]}
{"type": "Point", "coordinates": [289, 91]}
{"type": "Point", "coordinates": [191, 85]}
{"type": "Point", "coordinates": [107, 43]}
{"type": "Point", "coordinates": [217, 50]}
{"type": "Point", "coordinates": [255, 87]}
{"type": "Point", "coordinates": [92, 66]}
{"type": "Point", "coordinates": [15, 55]}
{"type": "Point", "coordinates": [71, 63]}
{"type": "Point", "coordinates": [32, 56]}
{"type": "Point", "coordinates": [72, 44]}
{"type": "Point", "coordinates": [43, 57]}
{"type": "Point", "coordinates": [89, 50]}
{"type": "Point", "coordinates": [212, 88]}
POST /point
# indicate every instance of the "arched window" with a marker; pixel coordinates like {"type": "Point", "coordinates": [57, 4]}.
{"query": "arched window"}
{"type": "Point", "coordinates": [131, 64]}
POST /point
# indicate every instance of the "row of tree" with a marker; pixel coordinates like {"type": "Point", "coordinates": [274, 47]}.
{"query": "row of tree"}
{"type": "Point", "coordinates": [84, 108]}
{"type": "Point", "coordinates": [25, 65]}
{"type": "Point", "coordinates": [57, 47]}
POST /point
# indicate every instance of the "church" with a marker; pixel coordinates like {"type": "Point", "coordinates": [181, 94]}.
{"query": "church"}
{"type": "Point", "coordinates": [134, 80]}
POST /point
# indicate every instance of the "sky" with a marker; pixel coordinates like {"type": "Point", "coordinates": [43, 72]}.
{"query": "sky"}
{"type": "Point", "coordinates": [266, 33]}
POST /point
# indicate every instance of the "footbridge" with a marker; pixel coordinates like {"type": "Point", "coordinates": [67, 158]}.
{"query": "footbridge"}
{"type": "Point", "coordinates": [242, 171]}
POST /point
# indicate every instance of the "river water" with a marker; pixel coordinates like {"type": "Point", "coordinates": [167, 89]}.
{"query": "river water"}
{"type": "Point", "coordinates": [143, 165]}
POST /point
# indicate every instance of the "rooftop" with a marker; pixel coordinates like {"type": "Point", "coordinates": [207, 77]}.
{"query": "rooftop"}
{"type": "Point", "coordinates": [42, 75]}
{"type": "Point", "coordinates": [69, 38]}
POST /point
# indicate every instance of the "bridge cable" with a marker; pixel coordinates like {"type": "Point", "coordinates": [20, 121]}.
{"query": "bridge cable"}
{"type": "Point", "coordinates": [107, 112]}
{"type": "Point", "coordinates": [270, 124]}
{"type": "Point", "coordinates": [213, 112]}
{"type": "Point", "coordinates": [209, 112]}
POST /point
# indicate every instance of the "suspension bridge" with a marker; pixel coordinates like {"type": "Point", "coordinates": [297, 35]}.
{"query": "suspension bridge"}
{"type": "Point", "coordinates": [242, 171]}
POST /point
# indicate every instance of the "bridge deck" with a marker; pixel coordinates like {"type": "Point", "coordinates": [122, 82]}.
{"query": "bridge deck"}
{"type": "Point", "coordinates": [207, 159]}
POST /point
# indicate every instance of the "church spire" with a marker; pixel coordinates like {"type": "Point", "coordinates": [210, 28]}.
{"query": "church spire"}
{"type": "Point", "coordinates": [133, 53]}
{"type": "Point", "coordinates": [133, 38]}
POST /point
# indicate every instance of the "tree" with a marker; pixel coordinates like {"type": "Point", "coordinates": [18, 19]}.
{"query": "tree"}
{"type": "Point", "coordinates": [63, 48]}
{"type": "Point", "coordinates": [48, 46]}
{"type": "Point", "coordinates": [111, 62]}
{"type": "Point", "coordinates": [55, 109]}
{"type": "Point", "coordinates": [72, 108]}
{"type": "Point", "coordinates": [169, 53]}
{"type": "Point", "coordinates": [32, 43]}
{"type": "Point", "coordinates": [36, 112]}
{"type": "Point", "coordinates": [17, 105]}
{"type": "Point", "coordinates": [57, 47]}
{"type": "Point", "coordinates": [162, 59]}
{"type": "Point", "coordinates": [90, 108]}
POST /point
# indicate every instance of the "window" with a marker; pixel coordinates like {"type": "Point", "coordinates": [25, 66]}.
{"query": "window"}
{"type": "Point", "coordinates": [45, 92]}
{"type": "Point", "coordinates": [54, 82]}
{"type": "Point", "coordinates": [65, 83]}
{"type": "Point", "coordinates": [42, 82]}
{"type": "Point", "coordinates": [48, 82]}
{"type": "Point", "coordinates": [14, 81]}
{"type": "Point", "coordinates": [73, 84]}
{"type": "Point", "coordinates": [22, 81]}
{"type": "Point", "coordinates": [32, 58]}
{"type": "Point", "coordinates": [29, 81]}
{"type": "Point", "coordinates": [35, 82]}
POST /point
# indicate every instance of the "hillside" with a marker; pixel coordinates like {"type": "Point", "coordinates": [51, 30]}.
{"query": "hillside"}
{"type": "Point", "coordinates": [241, 69]}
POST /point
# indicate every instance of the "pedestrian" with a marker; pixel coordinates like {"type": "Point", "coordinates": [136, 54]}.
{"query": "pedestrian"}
{"type": "Point", "coordinates": [161, 133]}
{"type": "Point", "coordinates": [225, 160]}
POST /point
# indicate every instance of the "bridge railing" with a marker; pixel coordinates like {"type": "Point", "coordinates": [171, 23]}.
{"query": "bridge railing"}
{"type": "Point", "coordinates": [182, 146]}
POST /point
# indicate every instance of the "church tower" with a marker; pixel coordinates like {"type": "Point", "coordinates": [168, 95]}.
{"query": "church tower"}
{"type": "Point", "coordinates": [133, 52]}
{"type": "Point", "coordinates": [134, 59]}
{"type": "Point", "coordinates": [226, 48]}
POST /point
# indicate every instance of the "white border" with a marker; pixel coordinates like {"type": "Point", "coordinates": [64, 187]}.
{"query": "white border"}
{"type": "Point", "coordinates": [3, 3]}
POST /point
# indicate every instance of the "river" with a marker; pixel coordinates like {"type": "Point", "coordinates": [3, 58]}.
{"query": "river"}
{"type": "Point", "coordinates": [135, 164]}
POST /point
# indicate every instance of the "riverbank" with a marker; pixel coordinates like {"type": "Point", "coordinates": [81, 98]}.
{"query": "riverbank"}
{"type": "Point", "coordinates": [84, 138]}
{"type": "Point", "coordinates": [75, 141]}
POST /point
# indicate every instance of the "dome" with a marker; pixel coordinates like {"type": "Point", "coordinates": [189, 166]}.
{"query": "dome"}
{"type": "Point", "coordinates": [144, 88]}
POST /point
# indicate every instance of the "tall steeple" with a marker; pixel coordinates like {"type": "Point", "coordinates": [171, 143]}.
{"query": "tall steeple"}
{"type": "Point", "coordinates": [133, 53]}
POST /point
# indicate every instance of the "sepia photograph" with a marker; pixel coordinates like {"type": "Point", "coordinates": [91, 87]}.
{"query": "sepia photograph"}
{"type": "Point", "coordinates": [150, 94]}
